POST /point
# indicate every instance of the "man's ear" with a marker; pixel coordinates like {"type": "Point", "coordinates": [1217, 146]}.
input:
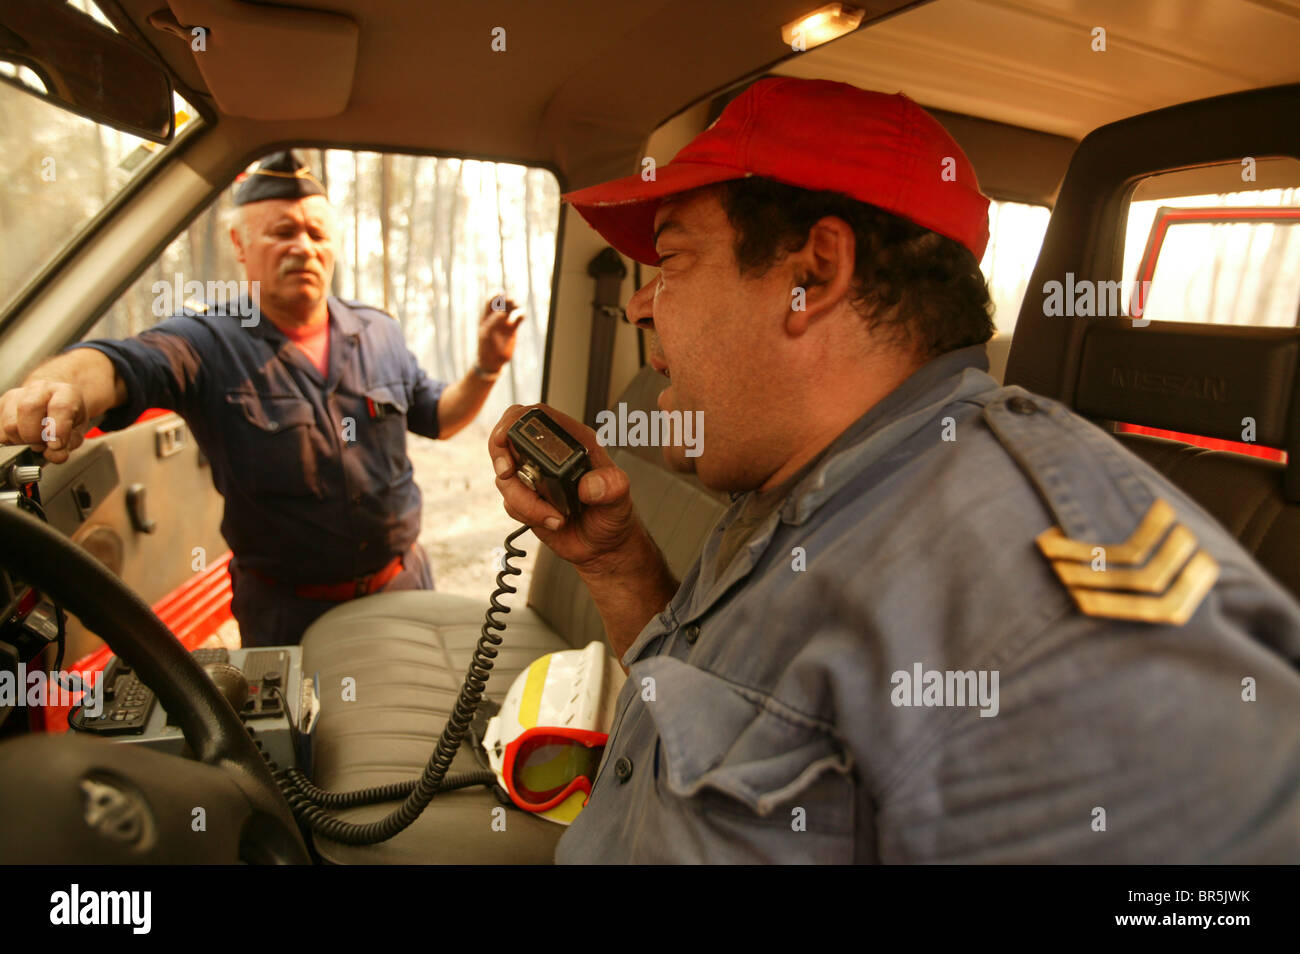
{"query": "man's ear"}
{"type": "Point", "coordinates": [237, 240]}
{"type": "Point", "coordinates": [823, 269]}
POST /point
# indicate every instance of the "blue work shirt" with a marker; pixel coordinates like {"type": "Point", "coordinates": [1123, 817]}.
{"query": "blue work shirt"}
{"type": "Point", "coordinates": [317, 484]}
{"type": "Point", "coordinates": [764, 718]}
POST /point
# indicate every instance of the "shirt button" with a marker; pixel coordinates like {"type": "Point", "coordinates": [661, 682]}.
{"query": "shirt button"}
{"type": "Point", "coordinates": [1021, 405]}
{"type": "Point", "coordinates": [273, 425]}
{"type": "Point", "coordinates": [623, 769]}
{"type": "Point", "coordinates": [692, 633]}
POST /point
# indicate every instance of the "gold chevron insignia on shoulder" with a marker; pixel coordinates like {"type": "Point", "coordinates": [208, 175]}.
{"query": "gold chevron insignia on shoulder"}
{"type": "Point", "coordinates": [1158, 575]}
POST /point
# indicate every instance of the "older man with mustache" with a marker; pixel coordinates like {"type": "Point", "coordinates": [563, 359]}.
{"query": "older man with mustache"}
{"type": "Point", "coordinates": [300, 401]}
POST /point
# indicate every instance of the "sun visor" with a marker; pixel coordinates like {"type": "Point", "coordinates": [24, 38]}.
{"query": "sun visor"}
{"type": "Point", "coordinates": [247, 51]}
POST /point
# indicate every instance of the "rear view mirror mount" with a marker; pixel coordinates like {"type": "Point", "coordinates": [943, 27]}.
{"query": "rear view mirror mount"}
{"type": "Point", "coordinates": [86, 68]}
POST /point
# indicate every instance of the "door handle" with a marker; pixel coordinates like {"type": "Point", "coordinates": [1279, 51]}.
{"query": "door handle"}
{"type": "Point", "coordinates": [135, 508]}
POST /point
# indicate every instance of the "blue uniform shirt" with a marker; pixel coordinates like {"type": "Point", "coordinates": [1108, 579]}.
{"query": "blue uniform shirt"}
{"type": "Point", "coordinates": [317, 484]}
{"type": "Point", "coordinates": [782, 712]}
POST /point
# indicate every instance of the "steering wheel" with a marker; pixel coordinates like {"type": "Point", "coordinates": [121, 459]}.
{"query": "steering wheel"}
{"type": "Point", "coordinates": [72, 578]}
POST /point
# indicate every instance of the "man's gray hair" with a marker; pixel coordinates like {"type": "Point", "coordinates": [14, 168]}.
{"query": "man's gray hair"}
{"type": "Point", "coordinates": [233, 218]}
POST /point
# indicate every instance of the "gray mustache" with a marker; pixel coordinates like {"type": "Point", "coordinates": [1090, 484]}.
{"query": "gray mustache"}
{"type": "Point", "coordinates": [294, 264]}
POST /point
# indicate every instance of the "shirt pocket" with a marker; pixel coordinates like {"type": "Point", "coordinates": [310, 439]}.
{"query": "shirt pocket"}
{"type": "Point", "coordinates": [271, 448]}
{"type": "Point", "coordinates": [383, 433]}
{"type": "Point", "coordinates": [390, 397]}
{"type": "Point", "coordinates": [736, 751]}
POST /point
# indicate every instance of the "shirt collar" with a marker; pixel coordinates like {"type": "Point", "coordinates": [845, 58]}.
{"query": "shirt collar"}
{"type": "Point", "coordinates": [953, 376]}
{"type": "Point", "coordinates": [342, 318]}
{"type": "Point", "coordinates": [950, 377]}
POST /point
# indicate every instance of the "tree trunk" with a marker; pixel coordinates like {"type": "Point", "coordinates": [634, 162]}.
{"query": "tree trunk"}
{"type": "Point", "coordinates": [1270, 273]}
{"type": "Point", "coordinates": [385, 221]}
{"type": "Point", "coordinates": [213, 235]}
{"type": "Point", "coordinates": [534, 319]}
{"type": "Point", "coordinates": [453, 363]}
{"type": "Point", "coordinates": [194, 252]}
{"type": "Point", "coordinates": [147, 318]}
{"type": "Point", "coordinates": [410, 237]}
{"type": "Point", "coordinates": [101, 153]}
{"type": "Point", "coordinates": [335, 282]}
{"type": "Point", "coordinates": [505, 289]}
{"type": "Point", "coordinates": [8, 266]}
{"type": "Point", "coordinates": [356, 226]}
{"type": "Point", "coordinates": [436, 345]}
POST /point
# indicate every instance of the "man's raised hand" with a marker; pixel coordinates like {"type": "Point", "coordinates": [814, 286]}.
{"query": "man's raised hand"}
{"type": "Point", "coordinates": [497, 330]}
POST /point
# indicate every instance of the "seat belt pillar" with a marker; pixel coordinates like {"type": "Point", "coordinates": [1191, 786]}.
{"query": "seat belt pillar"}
{"type": "Point", "coordinates": [608, 270]}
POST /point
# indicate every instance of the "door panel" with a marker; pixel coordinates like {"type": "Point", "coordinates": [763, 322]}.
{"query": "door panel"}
{"type": "Point", "coordinates": [159, 456]}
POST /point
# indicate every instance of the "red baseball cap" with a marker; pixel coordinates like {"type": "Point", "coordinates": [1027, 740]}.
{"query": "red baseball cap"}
{"type": "Point", "coordinates": [814, 134]}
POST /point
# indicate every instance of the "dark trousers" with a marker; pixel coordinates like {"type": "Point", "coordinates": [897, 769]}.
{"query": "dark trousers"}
{"type": "Point", "coordinates": [270, 615]}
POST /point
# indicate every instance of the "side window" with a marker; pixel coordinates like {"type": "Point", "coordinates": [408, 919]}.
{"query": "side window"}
{"type": "Point", "coordinates": [1016, 235]}
{"type": "Point", "coordinates": [428, 240]}
{"type": "Point", "coordinates": [59, 169]}
{"type": "Point", "coordinates": [1216, 245]}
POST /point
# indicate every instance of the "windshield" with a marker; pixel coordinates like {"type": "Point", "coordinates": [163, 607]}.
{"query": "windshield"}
{"type": "Point", "coordinates": [60, 170]}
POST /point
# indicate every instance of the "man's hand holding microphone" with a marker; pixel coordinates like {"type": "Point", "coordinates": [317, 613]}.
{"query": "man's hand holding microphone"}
{"type": "Point", "coordinates": [605, 541]}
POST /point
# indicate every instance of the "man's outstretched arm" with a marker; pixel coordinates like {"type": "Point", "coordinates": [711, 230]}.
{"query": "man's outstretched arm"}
{"type": "Point", "coordinates": [52, 407]}
{"type": "Point", "coordinates": [460, 402]}
{"type": "Point", "coordinates": [613, 553]}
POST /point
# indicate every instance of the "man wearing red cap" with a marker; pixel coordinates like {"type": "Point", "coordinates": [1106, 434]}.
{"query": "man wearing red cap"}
{"type": "Point", "coordinates": [897, 644]}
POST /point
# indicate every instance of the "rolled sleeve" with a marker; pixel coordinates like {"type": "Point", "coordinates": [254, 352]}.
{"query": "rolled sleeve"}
{"type": "Point", "coordinates": [424, 393]}
{"type": "Point", "coordinates": [160, 367]}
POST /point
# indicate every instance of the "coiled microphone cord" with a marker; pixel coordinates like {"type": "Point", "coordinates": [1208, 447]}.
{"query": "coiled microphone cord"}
{"type": "Point", "coordinates": [309, 803]}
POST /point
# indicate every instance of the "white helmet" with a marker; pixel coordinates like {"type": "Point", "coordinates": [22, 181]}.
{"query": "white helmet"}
{"type": "Point", "coordinates": [546, 743]}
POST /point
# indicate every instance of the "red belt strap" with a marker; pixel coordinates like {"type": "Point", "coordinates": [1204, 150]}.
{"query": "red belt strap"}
{"type": "Point", "coordinates": [339, 592]}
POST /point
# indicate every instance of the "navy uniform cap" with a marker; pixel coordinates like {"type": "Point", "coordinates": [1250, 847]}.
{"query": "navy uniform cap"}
{"type": "Point", "coordinates": [281, 175]}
